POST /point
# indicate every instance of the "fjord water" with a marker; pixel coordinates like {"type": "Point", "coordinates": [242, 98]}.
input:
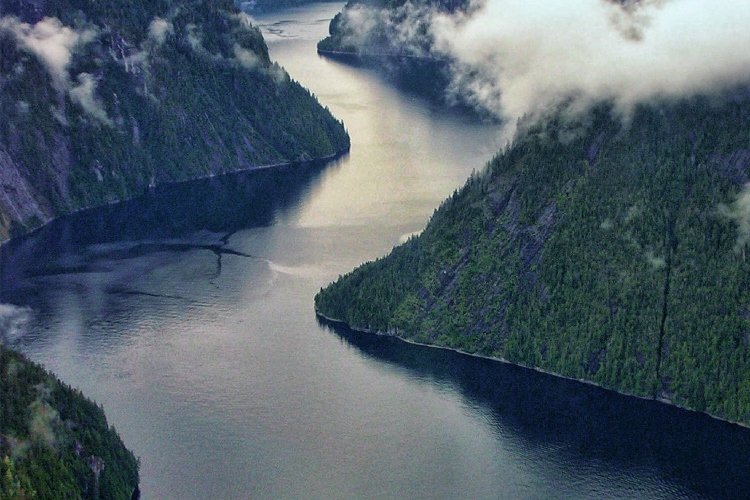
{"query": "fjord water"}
{"type": "Point", "coordinates": [188, 315]}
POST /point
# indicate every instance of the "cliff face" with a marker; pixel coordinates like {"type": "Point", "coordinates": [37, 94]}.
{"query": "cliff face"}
{"type": "Point", "coordinates": [608, 252]}
{"type": "Point", "coordinates": [102, 100]}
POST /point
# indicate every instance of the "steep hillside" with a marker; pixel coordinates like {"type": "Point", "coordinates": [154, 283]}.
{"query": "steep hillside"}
{"type": "Point", "coordinates": [102, 100]}
{"type": "Point", "coordinates": [608, 251]}
{"type": "Point", "coordinates": [54, 443]}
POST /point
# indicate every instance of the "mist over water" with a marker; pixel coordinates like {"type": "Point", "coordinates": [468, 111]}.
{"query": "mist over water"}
{"type": "Point", "coordinates": [528, 57]}
{"type": "Point", "coordinates": [188, 315]}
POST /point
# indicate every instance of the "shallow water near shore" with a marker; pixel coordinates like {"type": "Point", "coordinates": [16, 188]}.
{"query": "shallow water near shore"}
{"type": "Point", "coordinates": [189, 316]}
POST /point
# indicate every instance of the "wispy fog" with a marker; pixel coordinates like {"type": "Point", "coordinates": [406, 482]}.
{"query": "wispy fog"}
{"type": "Point", "coordinates": [159, 29]}
{"type": "Point", "coordinates": [49, 40]}
{"type": "Point", "coordinates": [54, 44]}
{"type": "Point", "coordinates": [13, 322]}
{"type": "Point", "coordinates": [84, 94]}
{"type": "Point", "coordinates": [739, 212]}
{"type": "Point", "coordinates": [516, 57]}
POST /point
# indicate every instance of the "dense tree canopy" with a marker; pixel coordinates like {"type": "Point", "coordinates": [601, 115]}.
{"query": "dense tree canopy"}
{"type": "Point", "coordinates": [606, 251]}
{"type": "Point", "coordinates": [101, 100]}
{"type": "Point", "coordinates": [54, 443]}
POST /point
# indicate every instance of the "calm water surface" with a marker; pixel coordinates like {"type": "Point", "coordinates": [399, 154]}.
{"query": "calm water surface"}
{"type": "Point", "coordinates": [189, 316]}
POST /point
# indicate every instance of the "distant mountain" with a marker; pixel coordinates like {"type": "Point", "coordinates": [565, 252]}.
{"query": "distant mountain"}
{"type": "Point", "coordinates": [102, 100]}
{"type": "Point", "coordinates": [394, 37]}
{"type": "Point", "coordinates": [610, 251]}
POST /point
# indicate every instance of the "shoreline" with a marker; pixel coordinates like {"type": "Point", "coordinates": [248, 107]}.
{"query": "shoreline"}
{"type": "Point", "coordinates": [379, 333]}
{"type": "Point", "coordinates": [258, 168]}
{"type": "Point", "coordinates": [362, 56]}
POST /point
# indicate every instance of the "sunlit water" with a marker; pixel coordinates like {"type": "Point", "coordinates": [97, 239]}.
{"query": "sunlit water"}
{"type": "Point", "coordinates": [188, 316]}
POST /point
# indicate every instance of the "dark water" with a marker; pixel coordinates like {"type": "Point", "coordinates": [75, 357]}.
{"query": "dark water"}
{"type": "Point", "coordinates": [188, 315]}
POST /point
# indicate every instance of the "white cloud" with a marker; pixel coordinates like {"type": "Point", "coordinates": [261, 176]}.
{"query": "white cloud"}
{"type": "Point", "coordinates": [247, 58]}
{"type": "Point", "coordinates": [53, 43]}
{"type": "Point", "coordinates": [84, 95]}
{"type": "Point", "coordinates": [519, 56]}
{"type": "Point", "coordinates": [50, 41]}
{"type": "Point", "coordinates": [739, 212]}
{"type": "Point", "coordinates": [246, 20]}
{"type": "Point", "coordinates": [194, 38]}
{"type": "Point", "coordinates": [516, 57]}
{"type": "Point", "coordinates": [13, 322]}
{"type": "Point", "coordinates": [159, 29]}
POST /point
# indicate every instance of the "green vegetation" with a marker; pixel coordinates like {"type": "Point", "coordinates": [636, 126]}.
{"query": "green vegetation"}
{"type": "Point", "coordinates": [101, 100]}
{"type": "Point", "coordinates": [603, 251]}
{"type": "Point", "coordinates": [54, 443]}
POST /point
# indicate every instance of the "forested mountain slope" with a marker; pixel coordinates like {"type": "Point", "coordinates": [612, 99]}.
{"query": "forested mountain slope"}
{"type": "Point", "coordinates": [600, 249]}
{"type": "Point", "coordinates": [101, 100]}
{"type": "Point", "coordinates": [54, 443]}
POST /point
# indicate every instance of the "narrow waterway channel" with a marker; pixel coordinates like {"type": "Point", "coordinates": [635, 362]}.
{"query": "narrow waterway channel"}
{"type": "Point", "coordinates": [197, 334]}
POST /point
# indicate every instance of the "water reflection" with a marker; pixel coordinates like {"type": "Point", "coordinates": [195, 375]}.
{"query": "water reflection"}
{"type": "Point", "coordinates": [582, 426]}
{"type": "Point", "coordinates": [192, 325]}
{"type": "Point", "coordinates": [197, 215]}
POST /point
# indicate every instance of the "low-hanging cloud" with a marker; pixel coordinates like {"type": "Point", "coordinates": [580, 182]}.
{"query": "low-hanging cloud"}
{"type": "Point", "coordinates": [13, 322]}
{"type": "Point", "coordinates": [241, 56]}
{"type": "Point", "coordinates": [523, 55]}
{"type": "Point", "coordinates": [739, 212]}
{"type": "Point", "coordinates": [520, 57]}
{"type": "Point", "coordinates": [54, 43]}
{"type": "Point", "coordinates": [84, 95]}
{"type": "Point", "coordinates": [50, 41]}
{"type": "Point", "coordinates": [159, 29]}
{"type": "Point", "coordinates": [404, 30]}
{"type": "Point", "coordinates": [247, 58]}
